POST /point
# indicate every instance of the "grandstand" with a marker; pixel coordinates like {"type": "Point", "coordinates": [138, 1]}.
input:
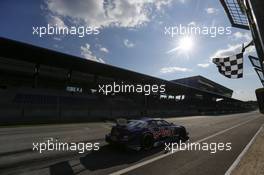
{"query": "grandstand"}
{"type": "Point", "coordinates": [38, 85]}
{"type": "Point", "coordinates": [205, 84]}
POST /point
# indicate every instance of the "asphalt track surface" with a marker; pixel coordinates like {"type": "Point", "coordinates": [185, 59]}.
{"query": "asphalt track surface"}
{"type": "Point", "coordinates": [17, 157]}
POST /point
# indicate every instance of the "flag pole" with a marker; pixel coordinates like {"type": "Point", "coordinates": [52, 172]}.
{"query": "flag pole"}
{"type": "Point", "coordinates": [249, 44]}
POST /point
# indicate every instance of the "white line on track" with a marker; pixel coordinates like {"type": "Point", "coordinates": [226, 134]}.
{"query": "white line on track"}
{"type": "Point", "coordinates": [238, 159]}
{"type": "Point", "coordinates": [125, 170]}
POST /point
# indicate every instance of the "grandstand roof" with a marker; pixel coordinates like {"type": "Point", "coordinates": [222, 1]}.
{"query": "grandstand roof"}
{"type": "Point", "coordinates": [20, 51]}
{"type": "Point", "coordinates": [204, 81]}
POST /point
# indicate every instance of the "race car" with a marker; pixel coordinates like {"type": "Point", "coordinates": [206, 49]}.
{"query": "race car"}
{"type": "Point", "coordinates": [145, 133]}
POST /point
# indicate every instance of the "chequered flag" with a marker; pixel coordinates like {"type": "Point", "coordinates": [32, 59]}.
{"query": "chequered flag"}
{"type": "Point", "coordinates": [231, 67]}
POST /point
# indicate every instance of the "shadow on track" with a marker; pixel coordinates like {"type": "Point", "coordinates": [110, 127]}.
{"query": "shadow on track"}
{"type": "Point", "coordinates": [61, 168]}
{"type": "Point", "coordinates": [107, 157]}
{"type": "Point", "coordinates": [113, 156]}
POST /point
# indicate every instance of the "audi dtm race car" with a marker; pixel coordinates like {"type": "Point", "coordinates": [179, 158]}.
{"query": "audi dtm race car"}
{"type": "Point", "coordinates": [145, 133]}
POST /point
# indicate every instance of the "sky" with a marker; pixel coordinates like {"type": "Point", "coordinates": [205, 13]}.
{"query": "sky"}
{"type": "Point", "coordinates": [132, 36]}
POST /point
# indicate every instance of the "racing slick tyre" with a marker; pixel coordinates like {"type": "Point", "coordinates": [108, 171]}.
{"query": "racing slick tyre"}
{"type": "Point", "coordinates": [147, 142]}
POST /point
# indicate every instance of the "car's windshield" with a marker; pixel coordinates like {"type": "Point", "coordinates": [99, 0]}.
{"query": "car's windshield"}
{"type": "Point", "coordinates": [164, 122]}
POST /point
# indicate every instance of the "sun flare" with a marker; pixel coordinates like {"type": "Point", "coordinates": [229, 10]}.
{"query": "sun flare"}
{"type": "Point", "coordinates": [184, 46]}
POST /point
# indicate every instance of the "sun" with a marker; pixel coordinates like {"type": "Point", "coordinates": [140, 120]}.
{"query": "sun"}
{"type": "Point", "coordinates": [184, 45]}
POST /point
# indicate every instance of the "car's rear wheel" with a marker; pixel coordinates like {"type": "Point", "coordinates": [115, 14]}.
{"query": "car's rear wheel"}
{"type": "Point", "coordinates": [147, 142]}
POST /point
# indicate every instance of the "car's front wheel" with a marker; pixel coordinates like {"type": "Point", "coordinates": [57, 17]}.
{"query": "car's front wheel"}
{"type": "Point", "coordinates": [147, 142]}
{"type": "Point", "coordinates": [183, 135]}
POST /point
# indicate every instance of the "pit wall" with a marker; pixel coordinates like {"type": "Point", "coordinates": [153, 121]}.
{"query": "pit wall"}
{"type": "Point", "coordinates": [30, 106]}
